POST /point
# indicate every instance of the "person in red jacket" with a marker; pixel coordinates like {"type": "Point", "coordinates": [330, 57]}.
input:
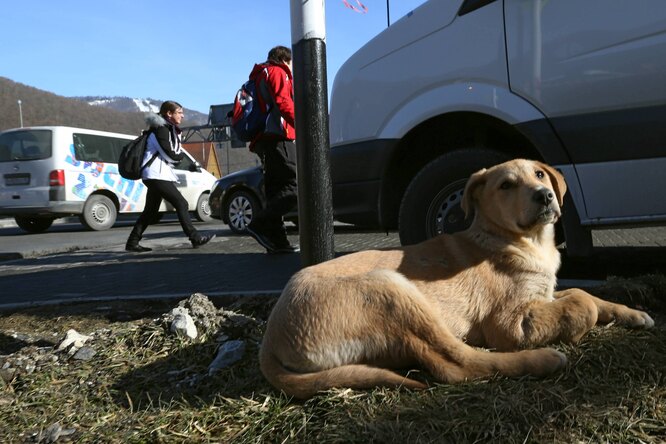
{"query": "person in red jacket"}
{"type": "Point", "coordinates": [277, 150]}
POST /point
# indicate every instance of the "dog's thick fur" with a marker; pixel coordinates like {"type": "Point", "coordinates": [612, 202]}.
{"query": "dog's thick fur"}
{"type": "Point", "coordinates": [351, 321]}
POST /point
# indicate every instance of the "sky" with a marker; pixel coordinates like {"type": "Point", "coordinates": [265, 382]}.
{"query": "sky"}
{"type": "Point", "coordinates": [196, 52]}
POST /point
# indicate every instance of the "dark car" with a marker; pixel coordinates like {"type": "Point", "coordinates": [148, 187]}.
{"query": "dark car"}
{"type": "Point", "coordinates": [236, 198]}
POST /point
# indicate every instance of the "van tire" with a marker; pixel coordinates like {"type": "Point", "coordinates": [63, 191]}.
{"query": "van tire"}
{"type": "Point", "coordinates": [203, 211]}
{"type": "Point", "coordinates": [99, 213]}
{"type": "Point", "coordinates": [33, 224]}
{"type": "Point", "coordinates": [431, 204]}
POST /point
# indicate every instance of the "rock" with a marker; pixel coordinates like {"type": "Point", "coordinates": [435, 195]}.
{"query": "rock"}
{"type": "Point", "coordinates": [236, 324]}
{"type": "Point", "coordinates": [202, 310]}
{"type": "Point", "coordinates": [53, 433]}
{"type": "Point", "coordinates": [7, 374]}
{"type": "Point", "coordinates": [84, 354]}
{"type": "Point", "coordinates": [183, 324]}
{"type": "Point", "coordinates": [72, 339]}
{"type": "Point", "coordinates": [228, 353]}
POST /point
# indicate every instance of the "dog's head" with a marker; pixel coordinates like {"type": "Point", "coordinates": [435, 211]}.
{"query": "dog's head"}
{"type": "Point", "coordinates": [519, 196]}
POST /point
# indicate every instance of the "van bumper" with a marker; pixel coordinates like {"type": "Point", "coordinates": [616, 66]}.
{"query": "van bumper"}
{"type": "Point", "coordinates": [53, 209]}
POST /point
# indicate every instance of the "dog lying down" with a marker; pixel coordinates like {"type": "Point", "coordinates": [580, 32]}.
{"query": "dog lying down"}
{"type": "Point", "coordinates": [351, 321]}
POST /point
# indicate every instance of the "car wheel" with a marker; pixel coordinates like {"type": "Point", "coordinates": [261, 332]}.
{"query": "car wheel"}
{"type": "Point", "coordinates": [203, 212]}
{"type": "Point", "coordinates": [99, 213]}
{"type": "Point", "coordinates": [33, 224]}
{"type": "Point", "coordinates": [431, 204]}
{"type": "Point", "coordinates": [240, 209]}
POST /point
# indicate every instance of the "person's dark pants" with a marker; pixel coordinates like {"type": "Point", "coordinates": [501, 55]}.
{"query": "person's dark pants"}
{"type": "Point", "coordinates": [279, 163]}
{"type": "Point", "coordinates": [158, 190]}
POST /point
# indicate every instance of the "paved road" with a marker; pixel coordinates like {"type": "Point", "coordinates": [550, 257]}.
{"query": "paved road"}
{"type": "Point", "coordinates": [78, 264]}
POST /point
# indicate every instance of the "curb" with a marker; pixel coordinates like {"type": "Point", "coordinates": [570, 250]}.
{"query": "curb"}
{"type": "Point", "coordinates": [156, 297]}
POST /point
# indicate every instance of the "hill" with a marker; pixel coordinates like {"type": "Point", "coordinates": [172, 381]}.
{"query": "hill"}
{"type": "Point", "coordinates": [127, 104]}
{"type": "Point", "coordinates": [45, 108]}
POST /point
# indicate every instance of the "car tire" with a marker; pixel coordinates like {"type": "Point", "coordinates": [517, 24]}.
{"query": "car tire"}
{"type": "Point", "coordinates": [203, 212]}
{"type": "Point", "coordinates": [431, 204]}
{"type": "Point", "coordinates": [33, 224]}
{"type": "Point", "coordinates": [239, 210]}
{"type": "Point", "coordinates": [99, 213]}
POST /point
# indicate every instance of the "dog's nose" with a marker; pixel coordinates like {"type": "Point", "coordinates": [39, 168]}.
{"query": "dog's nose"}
{"type": "Point", "coordinates": [543, 196]}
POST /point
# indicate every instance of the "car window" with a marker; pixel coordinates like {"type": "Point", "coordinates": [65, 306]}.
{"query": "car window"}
{"type": "Point", "coordinates": [95, 148]}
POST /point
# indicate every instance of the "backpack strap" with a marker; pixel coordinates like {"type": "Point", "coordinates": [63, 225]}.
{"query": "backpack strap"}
{"type": "Point", "coordinates": [263, 95]}
{"type": "Point", "coordinates": [147, 133]}
{"type": "Point", "coordinates": [152, 159]}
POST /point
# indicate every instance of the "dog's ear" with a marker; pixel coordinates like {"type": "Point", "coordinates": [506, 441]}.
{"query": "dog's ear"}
{"type": "Point", "coordinates": [557, 179]}
{"type": "Point", "coordinates": [475, 181]}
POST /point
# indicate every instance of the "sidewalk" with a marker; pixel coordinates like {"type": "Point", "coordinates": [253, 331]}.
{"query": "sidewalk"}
{"type": "Point", "coordinates": [233, 265]}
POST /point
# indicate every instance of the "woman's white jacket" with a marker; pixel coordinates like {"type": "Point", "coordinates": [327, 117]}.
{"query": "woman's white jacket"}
{"type": "Point", "coordinates": [164, 144]}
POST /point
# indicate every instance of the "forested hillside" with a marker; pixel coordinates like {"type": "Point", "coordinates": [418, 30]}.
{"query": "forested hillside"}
{"type": "Point", "coordinates": [44, 108]}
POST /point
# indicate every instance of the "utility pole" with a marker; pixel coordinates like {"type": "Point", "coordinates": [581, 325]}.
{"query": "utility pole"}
{"type": "Point", "coordinates": [20, 113]}
{"type": "Point", "coordinates": [388, 14]}
{"type": "Point", "coordinates": [315, 203]}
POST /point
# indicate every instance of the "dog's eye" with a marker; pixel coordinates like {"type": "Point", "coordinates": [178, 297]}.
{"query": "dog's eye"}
{"type": "Point", "coordinates": [540, 174]}
{"type": "Point", "coordinates": [507, 185]}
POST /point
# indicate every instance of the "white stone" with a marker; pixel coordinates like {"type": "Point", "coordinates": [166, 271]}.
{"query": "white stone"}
{"type": "Point", "coordinates": [183, 324]}
{"type": "Point", "coordinates": [73, 338]}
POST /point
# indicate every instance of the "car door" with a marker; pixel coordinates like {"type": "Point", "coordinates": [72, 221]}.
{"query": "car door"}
{"type": "Point", "coordinates": [596, 69]}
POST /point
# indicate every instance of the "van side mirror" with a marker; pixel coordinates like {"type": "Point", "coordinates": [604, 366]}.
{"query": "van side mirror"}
{"type": "Point", "coordinates": [195, 168]}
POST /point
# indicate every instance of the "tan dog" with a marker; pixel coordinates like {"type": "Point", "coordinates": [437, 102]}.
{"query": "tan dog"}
{"type": "Point", "coordinates": [350, 321]}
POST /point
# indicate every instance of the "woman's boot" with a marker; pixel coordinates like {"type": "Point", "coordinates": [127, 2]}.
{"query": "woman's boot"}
{"type": "Point", "coordinates": [133, 241]}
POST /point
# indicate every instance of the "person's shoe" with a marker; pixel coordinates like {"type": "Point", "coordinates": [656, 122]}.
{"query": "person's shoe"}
{"type": "Point", "coordinates": [137, 248]}
{"type": "Point", "coordinates": [282, 245]}
{"type": "Point", "coordinates": [286, 249]}
{"type": "Point", "coordinates": [202, 240]}
{"type": "Point", "coordinates": [261, 238]}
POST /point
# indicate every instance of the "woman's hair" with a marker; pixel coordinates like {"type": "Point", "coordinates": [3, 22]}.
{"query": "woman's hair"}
{"type": "Point", "coordinates": [279, 54]}
{"type": "Point", "coordinates": [169, 105]}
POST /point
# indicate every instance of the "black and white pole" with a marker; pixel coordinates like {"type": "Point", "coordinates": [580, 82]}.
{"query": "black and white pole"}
{"type": "Point", "coordinates": [315, 203]}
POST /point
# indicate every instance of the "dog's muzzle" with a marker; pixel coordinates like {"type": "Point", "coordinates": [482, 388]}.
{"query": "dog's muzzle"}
{"type": "Point", "coordinates": [543, 196]}
{"type": "Point", "coordinates": [549, 210]}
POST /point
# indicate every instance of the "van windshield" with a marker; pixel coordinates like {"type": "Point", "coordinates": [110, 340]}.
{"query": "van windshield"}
{"type": "Point", "coordinates": [25, 145]}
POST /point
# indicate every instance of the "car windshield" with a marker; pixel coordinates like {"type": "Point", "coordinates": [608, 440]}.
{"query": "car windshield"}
{"type": "Point", "coordinates": [25, 145]}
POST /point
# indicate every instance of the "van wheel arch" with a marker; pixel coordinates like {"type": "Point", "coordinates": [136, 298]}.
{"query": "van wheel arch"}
{"type": "Point", "coordinates": [440, 135]}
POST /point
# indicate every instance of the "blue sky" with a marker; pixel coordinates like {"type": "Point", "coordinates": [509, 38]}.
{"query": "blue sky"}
{"type": "Point", "coordinates": [196, 52]}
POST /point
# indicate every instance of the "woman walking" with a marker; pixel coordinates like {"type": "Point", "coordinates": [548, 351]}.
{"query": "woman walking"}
{"type": "Point", "coordinates": [163, 152]}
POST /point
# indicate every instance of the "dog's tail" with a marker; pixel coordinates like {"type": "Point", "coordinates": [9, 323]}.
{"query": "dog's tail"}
{"type": "Point", "coordinates": [305, 385]}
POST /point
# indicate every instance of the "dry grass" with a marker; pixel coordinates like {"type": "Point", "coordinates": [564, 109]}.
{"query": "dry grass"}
{"type": "Point", "coordinates": [147, 386]}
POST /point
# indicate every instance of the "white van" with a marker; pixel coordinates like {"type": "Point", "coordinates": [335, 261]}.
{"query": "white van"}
{"type": "Point", "coordinates": [49, 172]}
{"type": "Point", "coordinates": [458, 85]}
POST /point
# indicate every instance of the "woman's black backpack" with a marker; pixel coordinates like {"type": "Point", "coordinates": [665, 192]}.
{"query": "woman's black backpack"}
{"type": "Point", "coordinates": [129, 163]}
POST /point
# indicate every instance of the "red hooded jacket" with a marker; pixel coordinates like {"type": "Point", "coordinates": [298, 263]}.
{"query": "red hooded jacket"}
{"type": "Point", "coordinates": [275, 84]}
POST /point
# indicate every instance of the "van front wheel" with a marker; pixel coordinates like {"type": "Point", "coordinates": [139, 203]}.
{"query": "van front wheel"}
{"type": "Point", "coordinates": [431, 204]}
{"type": "Point", "coordinates": [99, 213]}
{"type": "Point", "coordinates": [33, 224]}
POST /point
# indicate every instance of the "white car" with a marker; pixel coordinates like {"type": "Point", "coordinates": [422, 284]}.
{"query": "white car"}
{"type": "Point", "coordinates": [49, 172]}
{"type": "Point", "coordinates": [455, 86]}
